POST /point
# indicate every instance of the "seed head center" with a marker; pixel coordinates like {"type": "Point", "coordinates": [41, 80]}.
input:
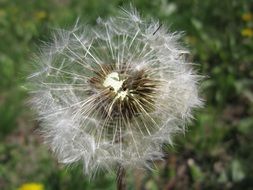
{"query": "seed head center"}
{"type": "Point", "coordinates": [112, 80]}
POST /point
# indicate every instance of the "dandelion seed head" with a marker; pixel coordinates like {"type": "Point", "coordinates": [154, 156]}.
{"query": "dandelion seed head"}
{"type": "Point", "coordinates": [114, 93]}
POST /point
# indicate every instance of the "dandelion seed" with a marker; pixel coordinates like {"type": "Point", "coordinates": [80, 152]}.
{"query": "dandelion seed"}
{"type": "Point", "coordinates": [115, 93]}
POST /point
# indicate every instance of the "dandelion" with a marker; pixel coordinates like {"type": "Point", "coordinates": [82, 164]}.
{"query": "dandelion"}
{"type": "Point", "coordinates": [32, 186]}
{"type": "Point", "coordinates": [40, 15]}
{"type": "Point", "coordinates": [110, 96]}
{"type": "Point", "coordinates": [247, 32]}
{"type": "Point", "coordinates": [247, 16]}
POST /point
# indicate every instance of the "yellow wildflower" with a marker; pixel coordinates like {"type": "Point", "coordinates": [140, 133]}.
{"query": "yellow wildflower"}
{"type": "Point", "coordinates": [247, 17]}
{"type": "Point", "coordinates": [32, 186]}
{"type": "Point", "coordinates": [40, 15]}
{"type": "Point", "coordinates": [247, 32]}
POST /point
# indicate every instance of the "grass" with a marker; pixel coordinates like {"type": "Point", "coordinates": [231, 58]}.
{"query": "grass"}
{"type": "Point", "coordinates": [216, 150]}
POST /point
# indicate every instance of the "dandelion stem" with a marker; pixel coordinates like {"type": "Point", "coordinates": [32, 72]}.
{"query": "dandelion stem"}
{"type": "Point", "coordinates": [121, 178]}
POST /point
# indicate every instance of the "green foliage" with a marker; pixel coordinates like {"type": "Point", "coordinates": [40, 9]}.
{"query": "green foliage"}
{"type": "Point", "coordinates": [216, 150]}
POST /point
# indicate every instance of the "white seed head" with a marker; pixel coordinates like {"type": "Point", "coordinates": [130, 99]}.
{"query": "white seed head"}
{"type": "Point", "coordinates": [115, 93]}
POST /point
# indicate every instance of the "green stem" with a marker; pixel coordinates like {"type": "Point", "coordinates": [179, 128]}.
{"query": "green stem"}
{"type": "Point", "coordinates": [121, 178]}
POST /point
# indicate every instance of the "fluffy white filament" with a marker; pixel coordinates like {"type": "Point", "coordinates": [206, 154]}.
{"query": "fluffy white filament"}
{"type": "Point", "coordinates": [69, 108]}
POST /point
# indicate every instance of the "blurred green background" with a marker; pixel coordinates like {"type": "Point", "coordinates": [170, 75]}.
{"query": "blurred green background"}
{"type": "Point", "coordinates": [216, 151]}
